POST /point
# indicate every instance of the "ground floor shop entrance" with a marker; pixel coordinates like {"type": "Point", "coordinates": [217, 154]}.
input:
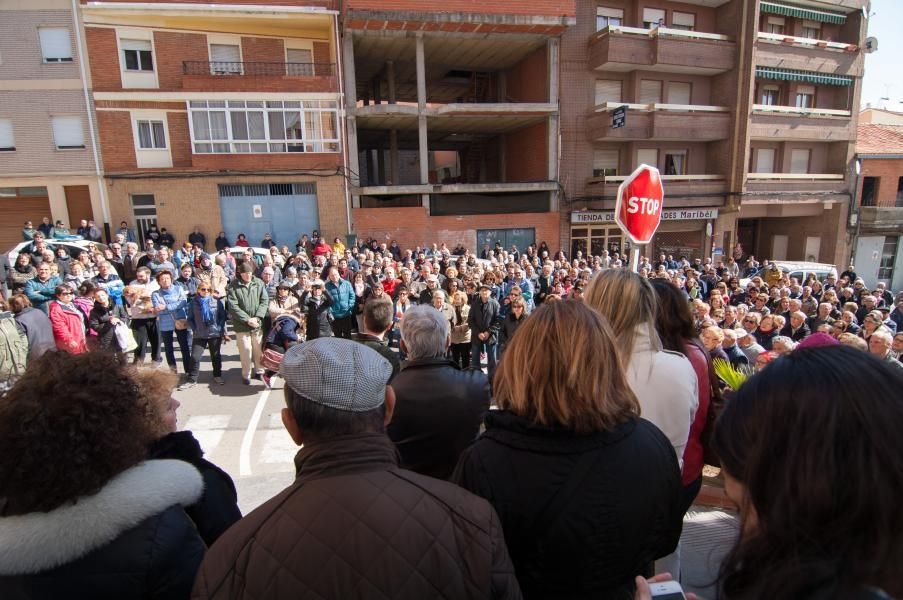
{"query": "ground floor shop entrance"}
{"type": "Point", "coordinates": [591, 241]}
{"type": "Point", "coordinates": [284, 210]}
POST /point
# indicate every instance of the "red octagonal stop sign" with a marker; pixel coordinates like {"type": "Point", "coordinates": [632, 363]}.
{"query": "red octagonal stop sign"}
{"type": "Point", "coordinates": [639, 206]}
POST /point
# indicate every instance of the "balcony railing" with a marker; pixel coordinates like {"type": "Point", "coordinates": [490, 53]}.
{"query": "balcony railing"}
{"type": "Point", "coordinates": [658, 106]}
{"type": "Point", "coordinates": [800, 111]}
{"type": "Point", "coordinates": [257, 69]}
{"type": "Point", "coordinates": [795, 176]}
{"type": "Point", "coordinates": [662, 32]}
{"type": "Point", "coordinates": [808, 42]}
{"type": "Point", "coordinates": [620, 178]}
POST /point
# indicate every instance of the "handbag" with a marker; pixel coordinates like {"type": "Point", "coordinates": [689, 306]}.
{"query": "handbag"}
{"type": "Point", "coordinates": [181, 324]}
{"type": "Point", "coordinates": [125, 338]}
{"type": "Point", "coordinates": [270, 359]}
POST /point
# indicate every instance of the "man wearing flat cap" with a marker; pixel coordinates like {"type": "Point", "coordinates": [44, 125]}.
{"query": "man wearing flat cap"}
{"type": "Point", "coordinates": [354, 524]}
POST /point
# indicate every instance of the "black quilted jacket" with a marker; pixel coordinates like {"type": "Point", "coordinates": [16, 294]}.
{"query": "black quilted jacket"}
{"type": "Point", "coordinates": [355, 525]}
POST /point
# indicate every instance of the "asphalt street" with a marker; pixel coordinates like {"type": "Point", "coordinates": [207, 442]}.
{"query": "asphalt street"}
{"type": "Point", "coordinates": [240, 429]}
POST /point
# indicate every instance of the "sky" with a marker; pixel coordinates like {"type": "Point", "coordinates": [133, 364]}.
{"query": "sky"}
{"type": "Point", "coordinates": [883, 68]}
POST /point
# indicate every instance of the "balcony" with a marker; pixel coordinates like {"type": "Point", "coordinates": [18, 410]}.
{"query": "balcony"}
{"type": "Point", "coordinates": [804, 54]}
{"type": "Point", "coordinates": [797, 182]}
{"type": "Point", "coordinates": [881, 218]}
{"type": "Point", "coordinates": [784, 123]}
{"type": "Point", "coordinates": [202, 75]}
{"type": "Point", "coordinates": [660, 122]}
{"type": "Point", "coordinates": [662, 49]}
{"type": "Point", "coordinates": [675, 185]}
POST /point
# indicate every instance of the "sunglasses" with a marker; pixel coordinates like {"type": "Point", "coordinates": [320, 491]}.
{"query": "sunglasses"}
{"type": "Point", "coordinates": [203, 289]}
{"type": "Point", "coordinates": [67, 293]}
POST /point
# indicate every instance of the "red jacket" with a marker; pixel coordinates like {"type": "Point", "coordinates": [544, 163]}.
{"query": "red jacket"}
{"type": "Point", "coordinates": [389, 286]}
{"type": "Point", "coordinates": [693, 452]}
{"type": "Point", "coordinates": [321, 249]}
{"type": "Point", "coordinates": [68, 328]}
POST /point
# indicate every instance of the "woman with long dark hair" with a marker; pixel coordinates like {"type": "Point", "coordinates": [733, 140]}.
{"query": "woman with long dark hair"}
{"type": "Point", "coordinates": [812, 455]}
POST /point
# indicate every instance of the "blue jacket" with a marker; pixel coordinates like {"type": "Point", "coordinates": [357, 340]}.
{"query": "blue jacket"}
{"type": "Point", "coordinates": [206, 331]}
{"type": "Point", "coordinates": [112, 284]}
{"type": "Point", "coordinates": [343, 298]}
{"type": "Point", "coordinates": [176, 301]}
{"type": "Point", "coordinates": [41, 293]}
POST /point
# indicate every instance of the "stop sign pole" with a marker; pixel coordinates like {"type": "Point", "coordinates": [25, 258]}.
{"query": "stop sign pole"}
{"type": "Point", "coordinates": [638, 210]}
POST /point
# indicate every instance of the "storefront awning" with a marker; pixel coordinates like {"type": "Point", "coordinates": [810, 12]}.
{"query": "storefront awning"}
{"type": "Point", "coordinates": [807, 76]}
{"type": "Point", "coordinates": [788, 10]}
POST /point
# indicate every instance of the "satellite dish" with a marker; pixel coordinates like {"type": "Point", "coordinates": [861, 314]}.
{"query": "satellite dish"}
{"type": "Point", "coordinates": [871, 45]}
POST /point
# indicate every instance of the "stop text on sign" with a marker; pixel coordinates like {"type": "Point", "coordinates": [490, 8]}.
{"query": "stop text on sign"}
{"type": "Point", "coordinates": [643, 206]}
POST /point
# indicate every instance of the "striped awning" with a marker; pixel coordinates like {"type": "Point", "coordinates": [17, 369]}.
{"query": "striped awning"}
{"type": "Point", "coordinates": [808, 77]}
{"type": "Point", "coordinates": [811, 14]}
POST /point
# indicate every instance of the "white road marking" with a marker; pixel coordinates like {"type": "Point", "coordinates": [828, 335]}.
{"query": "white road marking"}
{"type": "Point", "coordinates": [244, 462]}
{"type": "Point", "coordinates": [208, 430]}
{"type": "Point", "coordinates": [278, 447]}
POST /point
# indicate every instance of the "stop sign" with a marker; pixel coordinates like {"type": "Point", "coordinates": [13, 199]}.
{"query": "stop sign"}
{"type": "Point", "coordinates": [639, 206]}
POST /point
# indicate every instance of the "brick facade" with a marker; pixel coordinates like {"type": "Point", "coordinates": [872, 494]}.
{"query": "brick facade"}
{"type": "Point", "coordinates": [889, 172]}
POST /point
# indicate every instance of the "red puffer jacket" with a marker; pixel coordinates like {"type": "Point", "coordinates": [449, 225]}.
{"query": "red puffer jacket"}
{"type": "Point", "coordinates": [68, 327]}
{"type": "Point", "coordinates": [693, 452]}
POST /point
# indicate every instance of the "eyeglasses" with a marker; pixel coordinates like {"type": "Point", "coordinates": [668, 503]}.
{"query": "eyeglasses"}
{"type": "Point", "coordinates": [66, 293]}
{"type": "Point", "coordinates": [749, 320]}
{"type": "Point", "coordinates": [202, 289]}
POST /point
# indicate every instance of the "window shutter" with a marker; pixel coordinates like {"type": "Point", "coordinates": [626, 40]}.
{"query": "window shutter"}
{"type": "Point", "coordinates": [224, 53]}
{"type": "Point", "coordinates": [806, 89]}
{"type": "Point", "coordinates": [605, 160]}
{"type": "Point", "coordinates": [299, 55]}
{"type": "Point", "coordinates": [776, 21]}
{"type": "Point", "coordinates": [653, 16]}
{"type": "Point", "coordinates": [67, 132]}
{"type": "Point", "coordinates": [648, 156]}
{"type": "Point", "coordinates": [799, 161]}
{"type": "Point", "coordinates": [604, 11]}
{"type": "Point", "coordinates": [135, 45]}
{"type": "Point", "coordinates": [55, 44]}
{"type": "Point", "coordinates": [679, 93]}
{"type": "Point", "coordinates": [650, 91]}
{"type": "Point", "coordinates": [683, 19]}
{"type": "Point", "coordinates": [765, 160]}
{"type": "Point", "coordinates": [608, 90]}
{"type": "Point", "coordinates": [7, 141]}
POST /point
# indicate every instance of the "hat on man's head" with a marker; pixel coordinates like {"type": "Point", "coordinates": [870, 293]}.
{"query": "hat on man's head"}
{"type": "Point", "coordinates": [337, 373]}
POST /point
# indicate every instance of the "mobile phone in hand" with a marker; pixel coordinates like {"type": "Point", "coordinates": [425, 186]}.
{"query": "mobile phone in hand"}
{"type": "Point", "coordinates": [667, 590]}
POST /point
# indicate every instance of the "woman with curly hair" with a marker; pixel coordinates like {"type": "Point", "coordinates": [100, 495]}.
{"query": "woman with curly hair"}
{"type": "Point", "coordinates": [811, 454]}
{"type": "Point", "coordinates": [83, 512]}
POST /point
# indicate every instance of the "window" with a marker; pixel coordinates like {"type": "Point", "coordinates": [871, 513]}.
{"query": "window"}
{"type": "Point", "coordinates": [299, 62]}
{"type": "Point", "coordinates": [608, 17]}
{"type": "Point", "coordinates": [775, 25]}
{"type": "Point", "coordinates": [653, 17]}
{"type": "Point", "coordinates": [151, 135]}
{"type": "Point", "coordinates": [225, 59]}
{"type": "Point", "coordinates": [679, 93]}
{"type": "Point", "coordinates": [764, 160]}
{"type": "Point", "coordinates": [811, 30]}
{"type": "Point", "coordinates": [7, 141]}
{"type": "Point", "coordinates": [684, 21]}
{"type": "Point", "coordinates": [605, 163]}
{"type": "Point", "coordinates": [222, 127]}
{"type": "Point", "coordinates": [67, 132]}
{"type": "Point", "coordinates": [799, 160]}
{"type": "Point", "coordinates": [770, 96]}
{"type": "Point", "coordinates": [676, 162]}
{"type": "Point", "coordinates": [805, 96]}
{"type": "Point", "coordinates": [888, 257]}
{"type": "Point", "coordinates": [870, 191]}
{"type": "Point", "coordinates": [650, 91]}
{"type": "Point", "coordinates": [648, 156]}
{"type": "Point", "coordinates": [55, 44]}
{"type": "Point", "coordinates": [900, 193]}
{"type": "Point", "coordinates": [608, 90]}
{"type": "Point", "coordinates": [137, 55]}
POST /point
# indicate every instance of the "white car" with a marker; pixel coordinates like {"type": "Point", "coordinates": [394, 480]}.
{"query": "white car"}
{"type": "Point", "coordinates": [799, 270]}
{"type": "Point", "coordinates": [74, 247]}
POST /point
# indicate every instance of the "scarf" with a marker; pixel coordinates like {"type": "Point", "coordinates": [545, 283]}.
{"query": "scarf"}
{"type": "Point", "coordinates": [22, 268]}
{"type": "Point", "coordinates": [206, 304]}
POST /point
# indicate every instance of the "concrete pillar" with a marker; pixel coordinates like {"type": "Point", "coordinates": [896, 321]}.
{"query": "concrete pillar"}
{"type": "Point", "coordinates": [350, 76]}
{"type": "Point", "coordinates": [503, 158]}
{"type": "Point", "coordinates": [553, 46]}
{"type": "Point", "coordinates": [424, 150]}
{"type": "Point", "coordinates": [353, 157]}
{"type": "Point", "coordinates": [390, 79]}
{"type": "Point", "coordinates": [554, 120]}
{"type": "Point", "coordinates": [421, 73]}
{"type": "Point", "coordinates": [381, 163]}
{"type": "Point", "coordinates": [425, 202]}
{"type": "Point", "coordinates": [59, 208]}
{"type": "Point", "coordinates": [371, 167]}
{"type": "Point", "coordinates": [393, 158]}
{"type": "Point", "coordinates": [502, 87]}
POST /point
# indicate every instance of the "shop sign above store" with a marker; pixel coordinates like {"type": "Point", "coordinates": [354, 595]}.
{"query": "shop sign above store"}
{"type": "Point", "coordinates": [604, 217]}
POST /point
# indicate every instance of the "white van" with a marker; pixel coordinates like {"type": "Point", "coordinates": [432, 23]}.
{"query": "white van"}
{"type": "Point", "coordinates": [799, 270]}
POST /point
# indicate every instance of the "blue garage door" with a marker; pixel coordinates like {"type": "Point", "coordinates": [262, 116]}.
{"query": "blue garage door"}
{"type": "Point", "coordinates": [284, 210]}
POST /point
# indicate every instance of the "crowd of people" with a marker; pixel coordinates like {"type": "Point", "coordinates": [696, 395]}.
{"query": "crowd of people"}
{"type": "Point", "coordinates": [562, 471]}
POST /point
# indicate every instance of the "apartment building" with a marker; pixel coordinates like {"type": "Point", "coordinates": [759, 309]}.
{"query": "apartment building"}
{"type": "Point", "coordinates": [453, 120]}
{"type": "Point", "coordinates": [48, 161]}
{"type": "Point", "coordinates": [878, 218]}
{"type": "Point", "coordinates": [748, 108]}
{"type": "Point", "coordinates": [225, 115]}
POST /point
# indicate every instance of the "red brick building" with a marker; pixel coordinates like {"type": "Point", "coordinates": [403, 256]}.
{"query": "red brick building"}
{"type": "Point", "coordinates": [453, 119]}
{"type": "Point", "coordinates": [224, 115]}
{"type": "Point", "coordinates": [747, 107]}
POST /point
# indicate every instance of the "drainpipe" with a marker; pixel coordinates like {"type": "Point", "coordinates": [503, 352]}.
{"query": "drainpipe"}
{"type": "Point", "coordinates": [98, 170]}
{"type": "Point", "coordinates": [340, 72]}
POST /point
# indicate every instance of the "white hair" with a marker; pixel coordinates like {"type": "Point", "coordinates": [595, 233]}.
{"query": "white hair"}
{"type": "Point", "coordinates": [424, 331]}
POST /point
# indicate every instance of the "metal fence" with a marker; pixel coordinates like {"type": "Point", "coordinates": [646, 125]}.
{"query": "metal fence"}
{"type": "Point", "coordinates": [257, 69]}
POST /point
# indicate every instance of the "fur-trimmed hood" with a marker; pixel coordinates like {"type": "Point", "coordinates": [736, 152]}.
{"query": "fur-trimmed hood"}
{"type": "Point", "coordinates": [41, 541]}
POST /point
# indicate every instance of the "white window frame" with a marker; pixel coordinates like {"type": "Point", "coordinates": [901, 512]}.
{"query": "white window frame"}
{"type": "Point", "coordinates": [689, 18]}
{"type": "Point", "coordinates": [225, 40]}
{"type": "Point", "coordinates": [683, 166]}
{"type": "Point", "coordinates": [775, 25]}
{"type": "Point", "coordinates": [659, 22]}
{"type": "Point", "coordinates": [805, 96]}
{"type": "Point", "coordinates": [231, 145]}
{"type": "Point", "coordinates": [300, 45]}
{"type": "Point", "coordinates": [152, 133]}
{"type": "Point", "coordinates": [812, 30]}
{"type": "Point", "coordinates": [770, 88]}
{"type": "Point", "coordinates": [610, 15]}
{"type": "Point", "coordinates": [7, 136]}
{"type": "Point", "coordinates": [794, 168]}
{"type": "Point", "coordinates": [131, 41]}
{"type": "Point", "coordinates": [72, 118]}
{"type": "Point", "coordinates": [52, 60]}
